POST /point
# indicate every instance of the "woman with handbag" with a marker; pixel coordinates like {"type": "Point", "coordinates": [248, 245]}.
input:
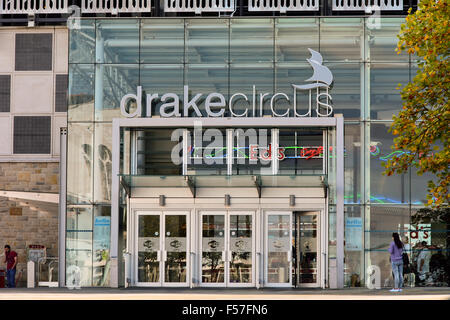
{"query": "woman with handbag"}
{"type": "Point", "coordinates": [396, 251]}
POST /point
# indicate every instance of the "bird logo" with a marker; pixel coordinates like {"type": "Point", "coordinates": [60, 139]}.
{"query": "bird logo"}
{"type": "Point", "coordinates": [322, 75]}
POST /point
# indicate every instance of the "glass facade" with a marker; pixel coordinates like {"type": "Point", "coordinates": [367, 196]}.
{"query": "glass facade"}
{"type": "Point", "coordinates": [109, 58]}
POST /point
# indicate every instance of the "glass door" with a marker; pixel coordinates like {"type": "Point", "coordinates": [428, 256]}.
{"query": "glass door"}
{"type": "Point", "coordinates": [307, 249]}
{"type": "Point", "coordinates": [278, 249]}
{"type": "Point", "coordinates": [227, 249]}
{"type": "Point", "coordinates": [175, 251]}
{"type": "Point", "coordinates": [212, 248]}
{"type": "Point", "coordinates": [162, 249]}
{"type": "Point", "coordinates": [241, 250]}
{"type": "Point", "coordinates": [149, 249]}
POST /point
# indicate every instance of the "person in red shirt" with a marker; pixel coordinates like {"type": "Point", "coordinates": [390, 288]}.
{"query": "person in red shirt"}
{"type": "Point", "coordinates": [11, 263]}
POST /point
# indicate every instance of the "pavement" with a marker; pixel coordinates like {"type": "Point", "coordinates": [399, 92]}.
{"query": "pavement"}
{"type": "Point", "coordinates": [416, 293]}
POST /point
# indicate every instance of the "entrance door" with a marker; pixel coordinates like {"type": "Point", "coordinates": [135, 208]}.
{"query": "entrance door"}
{"type": "Point", "coordinates": [162, 249]}
{"type": "Point", "coordinates": [278, 226]}
{"type": "Point", "coordinates": [307, 249]}
{"type": "Point", "coordinates": [227, 249]}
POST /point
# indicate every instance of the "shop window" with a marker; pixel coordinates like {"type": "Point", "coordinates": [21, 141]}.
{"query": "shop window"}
{"type": "Point", "coordinates": [207, 152]}
{"type": "Point", "coordinates": [5, 93]}
{"type": "Point", "coordinates": [61, 93]}
{"type": "Point", "coordinates": [301, 151]}
{"type": "Point", "coordinates": [34, 51]}
{"type": "Point", "coordinates": [32, 135]}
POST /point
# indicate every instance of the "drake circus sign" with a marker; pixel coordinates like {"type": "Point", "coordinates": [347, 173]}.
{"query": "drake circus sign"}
{"type": "Point", "coordinates": [319, 102]}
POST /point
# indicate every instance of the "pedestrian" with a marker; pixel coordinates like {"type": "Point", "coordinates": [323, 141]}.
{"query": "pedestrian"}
{"type": "Point", "coordinates": [11, 263]}
{"type": "Point", "coordinates": [396, 251]}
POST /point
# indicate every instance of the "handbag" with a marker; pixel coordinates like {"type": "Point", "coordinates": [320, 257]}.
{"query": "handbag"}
{"type": "Point", "coordinates": [405, 258]}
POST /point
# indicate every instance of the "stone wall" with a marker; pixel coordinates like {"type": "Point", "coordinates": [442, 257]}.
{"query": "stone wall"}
{"type": "Point", "coordinates": [29, 222]}
{"type": "Point", "coordinates": [29, 176]}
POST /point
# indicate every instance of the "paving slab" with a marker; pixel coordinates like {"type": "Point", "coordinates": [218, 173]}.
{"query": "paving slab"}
{"type": "Point", "coordinates": [417, 293]}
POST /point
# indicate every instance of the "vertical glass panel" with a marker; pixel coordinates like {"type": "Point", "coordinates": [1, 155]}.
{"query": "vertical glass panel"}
{"type": "Point", "coordinates": [112, 82]}
{"type": "Point", "coordinates": [384, 189]}
{"type": "Point", "coordinates": [207, 79]}
{"type": "Point", "coordinates": [332, 232]}
{"type": "Point", "coordinates": [80, 163]}
{"type": "Point", "coordinates": [287, 74]}
{"type": "Point", "coordinates": [81, 92]}
{"type": "Point", "coordinates": [213, 248]}
{"type": "Point", "coordinates": [82, 42]}
{"type": "Point", "coordinates": [207, 40]}
{"type": "Point", "coordinates": [346, 90]}
{"type": "Point", "coordinates": [162, 79]}
{"type": "Point", "coordinates": [301, 151]}
{"type": "Point", "coordinates": [354, 247]}
{"type": "Point", "coordinates": [156, 151]}
{"type": "Point", "coordinates": [148, 248]}
{"type": "Point", "coordinates": [252, 40]}
{"type": "Point", "coordinates": [207, 152]}
{"type": "Point", "coordinates": [241, 247]}
{"type": "Point", "coordinates": [101, 245]}
{"type": "Point", "coordinates": [176, 248]}
{"type": "Point", "coordinates": [385, 99]}
{"type": "Point", "coordinates": [162, 41]}
{"type": "Point", "coordinates": [341, 39]}
{"type": "Point", "coordinates": [380, 223]}
{"type": "Point", "coordinates": [279, 248]}
{"type": "Point", "coordinates": [289, 46]}
{"type": "Point", "coordinates": [79, 245]}
{"type": "Point", "coordinates": [102, 162]}
{"type": "Point", "coordinates": [117, 41]}
{"type": "Point", "coordinates": [352, 163]}
{"type": "Point", "coordinates": [428, 247]}
{"type": "Point", "coordinates": [419, 186]}
{"type": "Point", "coordinates": [382, 39]}
{"type": "Point", "coordinates": [307, 248]}
{"type": "Point", "coordinates": [256, 82]}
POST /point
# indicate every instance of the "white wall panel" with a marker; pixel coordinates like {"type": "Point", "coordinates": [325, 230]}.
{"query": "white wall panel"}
{"type": "Point", "coordinates": [61, 51]}
{"type": "Point", "coordinates": [32, 93]}
{"type": "Point", "coordinates": [5, 136]}
{"type": "Point", "coordinates": [6, 51]}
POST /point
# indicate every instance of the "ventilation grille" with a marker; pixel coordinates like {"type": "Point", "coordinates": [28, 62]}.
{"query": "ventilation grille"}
{"type": "Point", "coordinates": [61, 93]}
{"type": "Point", "coordinates": [5, 93]}
{"type": "Point", "coordinates": [33, 52]}
{"type": "Point", "coordinates": [32, 135]}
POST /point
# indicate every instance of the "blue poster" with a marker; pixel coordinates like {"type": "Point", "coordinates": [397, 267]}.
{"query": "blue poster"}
{"type": "Point", "coordinates": [353, 234]}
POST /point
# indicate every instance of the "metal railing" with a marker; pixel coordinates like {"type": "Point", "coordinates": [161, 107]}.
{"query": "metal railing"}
{"type": "Point", "coordinates": [47, 272]}
{"type": "Point", "coordinates": [115, 6]}
{"type": "Point", "coordinates": [32, 6]}
{"type": "Point", "coordinates": [283, 5]}
{"type": "Point", "coordinates": [199, 6]}
{"type": "Point", "coordinates": [364, 5]}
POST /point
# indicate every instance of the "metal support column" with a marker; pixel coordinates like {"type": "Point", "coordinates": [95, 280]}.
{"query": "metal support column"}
{"type": "Point", "coordinates": [340, 201]}
{"type": "Point", "coordinates": [62, 207]}
{"type": "Point", "coordinates": [114, 271]}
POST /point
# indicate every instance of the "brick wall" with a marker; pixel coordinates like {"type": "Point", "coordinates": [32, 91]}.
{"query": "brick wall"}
{"type": "Point", "coordinates": [29, 176]}
{"type": "Point", "coordinates": [34, 222]}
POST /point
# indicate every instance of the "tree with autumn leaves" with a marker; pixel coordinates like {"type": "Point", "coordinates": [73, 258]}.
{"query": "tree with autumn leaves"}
{"type": "Point", "coordinates": [421, 129]}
